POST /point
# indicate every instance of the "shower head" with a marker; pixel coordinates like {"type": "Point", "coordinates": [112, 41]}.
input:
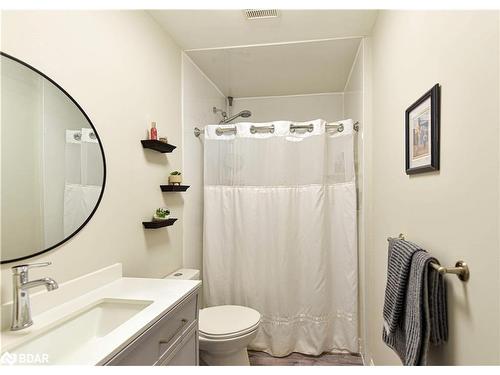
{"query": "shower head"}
{"type": "Point", "coordinates": [245, 113]}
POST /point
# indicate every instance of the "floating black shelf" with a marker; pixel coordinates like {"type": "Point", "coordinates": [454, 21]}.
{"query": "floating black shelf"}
{"type": "Point", "coordinates": [174, 187]}
{"type": "Point", "coordinates": [158, 224]}
{"type": "Point", "coordinates": [156, 145]}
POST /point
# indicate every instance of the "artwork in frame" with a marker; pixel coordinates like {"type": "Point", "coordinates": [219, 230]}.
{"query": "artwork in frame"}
{"type": "Point", "coordinates": [422, 133]}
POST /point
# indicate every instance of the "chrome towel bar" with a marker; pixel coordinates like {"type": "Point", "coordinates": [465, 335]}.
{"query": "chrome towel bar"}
{"type": "Point", "coordinates": [461, 268]}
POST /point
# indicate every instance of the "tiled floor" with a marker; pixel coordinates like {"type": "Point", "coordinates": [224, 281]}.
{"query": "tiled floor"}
{"type": "Point", "coordinates": [297, 359]}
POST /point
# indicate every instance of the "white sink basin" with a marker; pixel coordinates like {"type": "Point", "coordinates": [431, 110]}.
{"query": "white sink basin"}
{"type": "Point", "coordinates": [66, 340]}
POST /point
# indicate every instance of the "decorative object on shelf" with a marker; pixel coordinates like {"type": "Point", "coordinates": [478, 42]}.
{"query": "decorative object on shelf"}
{"type": "Point", "coordinates": [173, 188]}
{"type": "Point", "coordinates": [153, 133]}
{"type": "Point", "coordinates": [159, 146]}
{"type": "Point", "coordinates": [175, 178]}
{"type": "Point", "coordinates": [163, 139]}
{"type": "Point", "coordinates": [422, 123]}
{"type": "Point", "coordinates": [158, 224]}
{"type": "Point", "coordinates": [161, 214]}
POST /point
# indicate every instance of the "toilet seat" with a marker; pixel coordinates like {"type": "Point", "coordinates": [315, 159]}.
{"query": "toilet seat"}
{"type": "Point", "coordinates": [227, 322]}
{"type": "Point", "coordinates": [207, 336]}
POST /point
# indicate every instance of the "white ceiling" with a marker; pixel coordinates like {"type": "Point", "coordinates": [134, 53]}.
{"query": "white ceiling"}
{"type": "Point", "coordinates": [193, 29]}
{"type": "Point", "coordinates": [285, 69]}
{"type": "Point", "coordinates": [301, 52]}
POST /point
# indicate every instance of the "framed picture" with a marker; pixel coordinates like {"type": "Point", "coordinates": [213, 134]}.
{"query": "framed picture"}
{"type": "Point", "coordinates": [422, 133]}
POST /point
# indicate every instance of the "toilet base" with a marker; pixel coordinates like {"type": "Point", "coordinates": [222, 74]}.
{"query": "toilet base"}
{"type": "Point", "coordinates": [237, 358]}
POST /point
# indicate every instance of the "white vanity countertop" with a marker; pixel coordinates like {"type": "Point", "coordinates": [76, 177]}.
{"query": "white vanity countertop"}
{"type": "Point", "coordinates": [164, 294]}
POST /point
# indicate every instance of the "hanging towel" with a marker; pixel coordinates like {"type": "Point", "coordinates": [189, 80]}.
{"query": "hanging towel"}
{"type": "Point", "coordinates": [423, 316]}
{"type": "Point", "coordinates": [438, 314]}
{"type": "Point", "coordinates": [398, 267]}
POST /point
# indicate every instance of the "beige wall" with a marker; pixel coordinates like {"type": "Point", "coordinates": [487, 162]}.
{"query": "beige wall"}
{"type": "Point", "coordinates": [454, 213]}
{"type": "Point", "coordinates": [124, 71]}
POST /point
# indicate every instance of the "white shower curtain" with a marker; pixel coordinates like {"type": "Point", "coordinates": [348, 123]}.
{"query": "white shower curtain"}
{"type": "Point", "coordinates": [83, 177]}
{"type": "Point", "coordinates": [280, 233]}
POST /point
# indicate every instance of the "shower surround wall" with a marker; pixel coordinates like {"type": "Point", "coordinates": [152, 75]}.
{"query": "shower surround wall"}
{"type": "Point", "coordinates": [199, 95]}
{"type": "Point", "coordinates": [327, 106]}
{"type": "Point", "coordinates": [355, 107]}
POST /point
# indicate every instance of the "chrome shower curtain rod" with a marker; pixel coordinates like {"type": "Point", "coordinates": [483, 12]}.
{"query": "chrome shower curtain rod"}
{"type": "Point", "coordinates": [338, 126]}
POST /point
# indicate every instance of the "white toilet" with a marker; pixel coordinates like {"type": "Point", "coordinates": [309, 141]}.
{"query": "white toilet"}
{"type": "Point", "coordinates": [224, 331]}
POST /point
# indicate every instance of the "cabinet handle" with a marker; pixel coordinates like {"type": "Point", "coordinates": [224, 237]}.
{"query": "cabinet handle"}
{"type": "Point", "coordinates": [173, 337]}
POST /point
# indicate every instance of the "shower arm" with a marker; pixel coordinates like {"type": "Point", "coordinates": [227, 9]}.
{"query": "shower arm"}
{"type": "Point", "coordinates": [226, 119]}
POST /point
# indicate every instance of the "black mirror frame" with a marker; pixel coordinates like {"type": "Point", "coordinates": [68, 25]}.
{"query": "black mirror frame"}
{"type": "Point", "coordinates": [102, 154]}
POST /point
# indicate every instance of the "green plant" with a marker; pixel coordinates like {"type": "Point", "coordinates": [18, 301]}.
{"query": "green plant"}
{"type": "Point", "coordinates": [162, 212]}
{"type": "Point", "coordinates": [175, 173]}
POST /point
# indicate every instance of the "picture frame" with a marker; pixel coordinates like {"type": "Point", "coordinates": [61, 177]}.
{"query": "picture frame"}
{"type": "Point", "coordinates": [422, 128]}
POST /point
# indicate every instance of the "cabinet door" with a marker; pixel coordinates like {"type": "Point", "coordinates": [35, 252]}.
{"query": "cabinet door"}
{"type": "Point", "coordinates": [185, 353]}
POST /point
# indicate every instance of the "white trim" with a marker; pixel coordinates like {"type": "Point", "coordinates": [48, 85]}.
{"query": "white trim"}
{"type": "Point", "coordinates": [353, 64]}
{"type": "Point", "coordinates": [287, 96]}
{"type": "Point", "coordinates": [184, 55]}
{"type": "Point", "coordinates": [274, 43]}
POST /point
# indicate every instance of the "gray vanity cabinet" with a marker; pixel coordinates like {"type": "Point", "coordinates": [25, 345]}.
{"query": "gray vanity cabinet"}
{"type": "Point", "coordinates": [185, 353]}
{"type": "Point", "coordinates": [171, 341]}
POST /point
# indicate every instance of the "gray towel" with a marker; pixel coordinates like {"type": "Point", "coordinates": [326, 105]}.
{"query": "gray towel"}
{"type": "Point", "coordinates": [438, 314]}
{"type": "Point", "coordinates": [423, 316]}
{"type": "Point", "coordinates": [398, 268]}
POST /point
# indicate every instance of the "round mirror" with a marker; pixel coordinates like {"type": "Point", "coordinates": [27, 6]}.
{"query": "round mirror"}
{"type": "Point", "coordinates": [52, 163]}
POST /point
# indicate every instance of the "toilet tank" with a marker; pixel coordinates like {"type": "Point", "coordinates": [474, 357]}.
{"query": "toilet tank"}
{"type": "Point", "coordinates": [184, 274]}
{"type": "Point", "coordinates": [187, 274]}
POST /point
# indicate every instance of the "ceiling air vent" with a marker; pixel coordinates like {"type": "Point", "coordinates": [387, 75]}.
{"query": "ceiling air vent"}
{"type": "Point", "coordinates": [255, 14]}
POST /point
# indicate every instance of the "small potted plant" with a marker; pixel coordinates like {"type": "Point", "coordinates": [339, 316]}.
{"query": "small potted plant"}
{"type": "Point", "coordinates": [175, 178]}
{"type": "Point", "coordinates": [161, 214]}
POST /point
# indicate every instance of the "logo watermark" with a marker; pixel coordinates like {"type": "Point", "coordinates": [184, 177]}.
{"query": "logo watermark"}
{"type": "Point", "coordinates": [24, 359]}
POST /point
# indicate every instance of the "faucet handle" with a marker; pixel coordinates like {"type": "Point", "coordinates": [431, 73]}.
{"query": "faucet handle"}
{"type": "Point", "coordinates": [25, 267]}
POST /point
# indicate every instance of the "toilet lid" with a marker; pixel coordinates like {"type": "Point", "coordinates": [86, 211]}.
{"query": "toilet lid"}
{"type": "Point", "coordinates": [227, 320]}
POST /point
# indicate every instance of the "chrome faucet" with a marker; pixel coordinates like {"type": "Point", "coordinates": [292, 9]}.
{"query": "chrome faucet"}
{"type": "Point", "coordinates": [21, 309]}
